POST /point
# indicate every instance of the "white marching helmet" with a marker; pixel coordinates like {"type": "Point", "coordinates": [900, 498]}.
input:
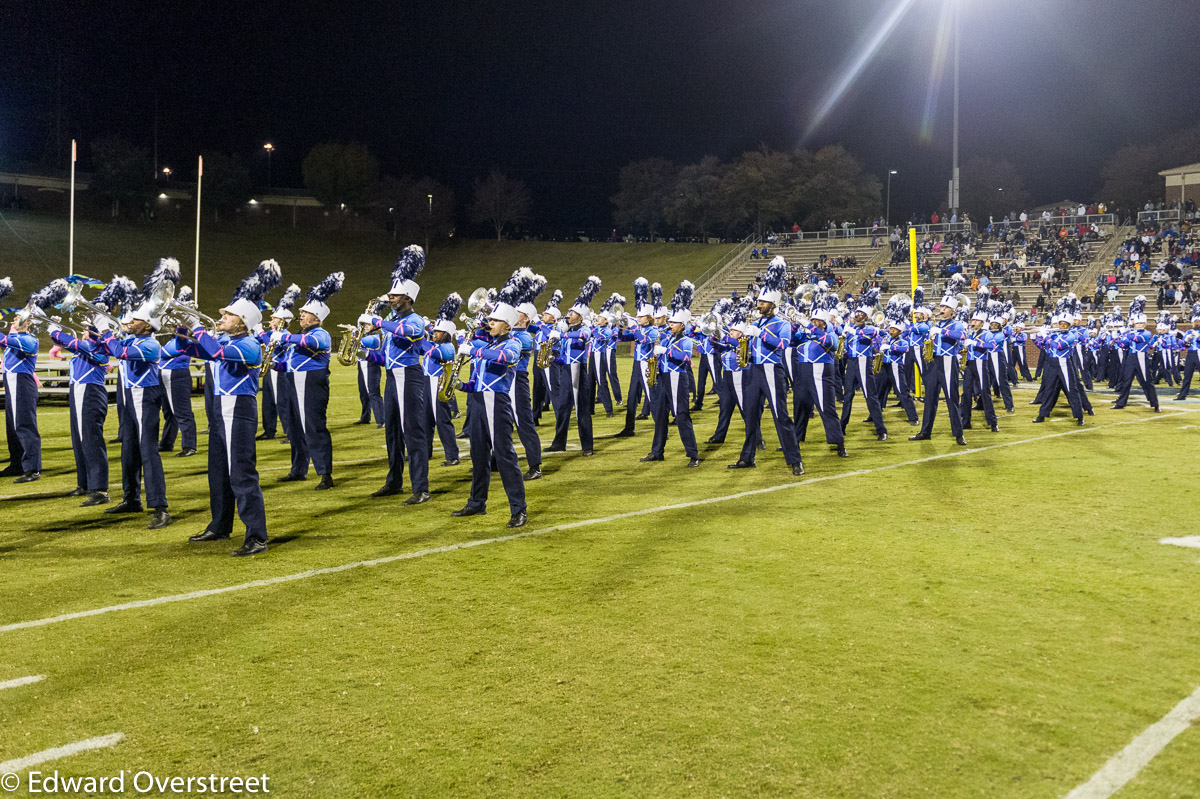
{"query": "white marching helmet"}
{"type": "Point", "coordinates": [505, 313]}
{"type": "Point", "coordinates": [248, 311]}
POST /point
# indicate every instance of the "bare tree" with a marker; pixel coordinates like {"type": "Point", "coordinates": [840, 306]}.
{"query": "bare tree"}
{"type": "Point", "coordinates": [499, 201]}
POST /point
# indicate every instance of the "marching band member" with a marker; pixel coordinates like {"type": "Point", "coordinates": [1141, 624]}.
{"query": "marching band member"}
{"type": "Point", "coordinates": [860, 350]}
{"type": "Point", "coordinates": [813, 368]}
{"type": "Point", "coordinates": [615, 320]}
{"type": "Point", "coordinates": [308, 369]}
{"type": "Point", "coordinates": [232, 458]}
{"type": "Point", "coordinates": [529, 287]}
{"type": "Point", "coordinates": [674, 353]}
{"type": "Point", "coordinates": [1191, 363]}
{"type": "Point", "coordinates": [710, 366]}
{"type": "Point", "coordinates": [1020, 356]}
{"type": "Point", "coordinates": [896, 350]}
{"type": "Point", "coordinates": [917, 333]}
{"type": "Point", "coordinates": [439, 352]}
{"type": "Point", "coordinates": [571, 384]}
{"type": "Point", "coordinates": [941, 374]}
{"type": "Point", "coordinates": [542, 383]}
{"type": "Point", "coordinates": [175, 372]}
{"type": "Point", "coordinates": [493, 355]}
{"type": "Point", "coordinates": [20, 387]}
{"type": "Point", "coordinates": [732, 386]}
{"type": "Point", "coordinates": [658, 319]}
{"type": "Point", "coordinates": [603, 334]}
{"type": "Point", "coordinates": [370, 378]}
{"type": "Point", "coordinates": [88, 400]}
{"type": "Point", "coordinates": [1058, 368]}
{"type": "Point", "coordinates": [1138, 341]}
{"type": "Point", "coordinates": [402, 338]}
{"type": "Point", "coordinates": [276, 395]}
{"type": "Point", "coordinates": [997, 339]}
{"type": "Point", "coordinates": [645, 336]}
{"type": "Point", "coordinates": [977, 379]}
{"type": "Point", "coordinates": [769, 338]}
{"type": "Point", "coordinates": [137, 348]}
{"type": "Point", "coordinates": [1081, 353]}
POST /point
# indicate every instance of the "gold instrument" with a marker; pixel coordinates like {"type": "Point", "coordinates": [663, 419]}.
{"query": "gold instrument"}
{"type": "Point", "coordinates": [841, 348]}
{"type": "Point", "coordinates": [927, 349]}
{"type": "Point", "coordinates": [268, 350]}
{"type": "Point", "coordinates": [743, 352]}
{"type": "Point", "coordinates": [652, 370]}
{"type": "Point", "coordinates": [545, 354]}
{"type": "Point", "coordinates": [877, 363]}
{"type": "Point", "coordinates": [352, 341]}
{"type": "Point", "coordinates": [452, 375]}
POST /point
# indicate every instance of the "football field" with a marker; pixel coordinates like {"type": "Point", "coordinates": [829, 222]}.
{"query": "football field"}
{"type": "Point", "coordinates": [921, 619]}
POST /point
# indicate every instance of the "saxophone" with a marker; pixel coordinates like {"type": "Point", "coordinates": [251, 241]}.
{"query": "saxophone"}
{"type": "Point", "coordinates": [450, 375]}
{"type": "Point", "coordinates": [352, 340]}
{"type": "Point", "coordinates": [877, 363]}
{"type": "Point", "coordinates": [268, 352]}
{"type": "Point", "coordinates": [743, 352]}
{"type": "Point", "coordinates": [927, 347]}
{"type": "Point", "coordinates": [841, 348]}
{"type": "Point", "coordinates": [545, 354]}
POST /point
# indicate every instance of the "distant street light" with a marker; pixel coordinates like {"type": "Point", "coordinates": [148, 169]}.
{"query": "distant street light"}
{"type": "Point", "coordinates": [270, 148]}
{"type": "Point", "coordinates": [888, 214]}
{"type": "Point", "coordinates": [166, 170]}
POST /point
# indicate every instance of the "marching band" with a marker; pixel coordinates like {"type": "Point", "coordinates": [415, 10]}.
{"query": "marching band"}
{"type": "Point", "coordinates": [822, 349]}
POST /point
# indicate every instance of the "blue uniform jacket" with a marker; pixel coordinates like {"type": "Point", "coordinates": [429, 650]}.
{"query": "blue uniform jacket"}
{"type": "Point", "coordinates": [20, 352]}
{"type": "Point", "coordinates": [90, 362]}
{"type": "Point", "coordinates": [236, 361]}
{"type": "Point", "coordinates": [140, 355]}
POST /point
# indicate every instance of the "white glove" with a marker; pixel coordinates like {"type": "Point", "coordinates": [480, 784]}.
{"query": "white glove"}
{"type": "Point", "coordinates": [368, 319]}
{"type": "Point", "coordinates": [561, 327]}
{"type": "Point", "coordinates": [660, 349]}
{"type": "Point", "coordinates": [53, 328]}
{"type": "Point", "coordinates": [464, 348]}
{"type": "Point", "coordinates": [753, 331]}
{"type": "Point", "coordinates": [277, 337]}
{"type": "Point", "coordinates": [554, 335]}
{"type": "Point", "coordinates": [102, 324]}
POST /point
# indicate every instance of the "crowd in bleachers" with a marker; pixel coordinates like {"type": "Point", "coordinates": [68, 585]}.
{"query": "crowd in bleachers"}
{"type": "Point", "coordinates": [1159, 259]}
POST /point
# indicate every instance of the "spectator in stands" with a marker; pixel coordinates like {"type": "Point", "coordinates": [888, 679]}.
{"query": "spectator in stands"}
{"type": "Point", "coordinates": [754, 254]}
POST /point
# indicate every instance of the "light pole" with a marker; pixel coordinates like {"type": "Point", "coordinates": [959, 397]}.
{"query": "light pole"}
{"type": "Point", "coordinates": [270, 148]}
{"type": "Point", "coordinates": [887, 217]}
{"type": "Point", "coordinates": [166, 170]}
{"type": "Point", "coordinates": [954, 164]}
{"type": "Point", "coordinates": [429, 224]}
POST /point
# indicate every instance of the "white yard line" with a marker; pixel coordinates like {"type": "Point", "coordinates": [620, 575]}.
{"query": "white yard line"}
{"type": "Point", "coordinates": [1126, 764]}
{"type": "Point", "coordinates": [1192, 541]}
{"type": "Point", "coordinates": [21, 763]}
{"type": "Point", "coordinates": [17, 683]}
{"type": "Point", "coordinates": [171, 598]}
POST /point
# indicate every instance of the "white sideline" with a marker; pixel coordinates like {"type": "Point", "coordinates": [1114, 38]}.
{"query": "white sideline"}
{"type": "Point", "coordinates": [163, 600]}
{"type": "Point", "coordinates": [1126, 764]}
{"type": "Point", "coordinates": [17, 683]}
{"type": "Point", "coordinates": [103, 742]}
{"type": "Point", "coordinates": [1192, 541]}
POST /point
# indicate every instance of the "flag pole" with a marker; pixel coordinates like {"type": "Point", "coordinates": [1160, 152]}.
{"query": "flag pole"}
{"type": "Point", "coordinates": [912, 265]}
{"type": "Point", "coordinates": [71, 235]}
{"type": "Point", "coordinates": [196, 281]}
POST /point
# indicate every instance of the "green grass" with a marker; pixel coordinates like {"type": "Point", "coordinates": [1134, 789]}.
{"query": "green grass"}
{"type": "Point", "coordinates": [996, 623]}
{"type": "Point", "coordinates": [229, 254]}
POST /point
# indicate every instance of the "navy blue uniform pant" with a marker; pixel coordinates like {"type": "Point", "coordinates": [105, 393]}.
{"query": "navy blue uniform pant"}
{"type": "Point", "coordinates": [1058, 376]}
{"type": "Point", "coordinates": [178, 417]}
{"type": "Point", "coordinates": [614, 382]}
{"type": "Point", "coordinates": [768, 383]}
{"type": "Point", "coordinates": [1136, 365]}
{"type": "Point", "coordinates": [941, 378]}
{"type": "Point", "coordinates": [977, 385]}
{"type": "Point", "coordinates": [892, 378]}
{"type": "Point", "coordinates": [20, 422]}
{"type": "Point", "coordinates": [640, 393]}
{"type": "Point", "coordinates": [672, 398]}
{"type": "Point", "coordinates": [89, 409]}
{"type": "Point", "coordinates": [232, 467]}
{"type": "Point", "coordinates": [437, 415]}
{"type": "Point", "coordinates": [571, 388]}
{"type": "Point", "coordinates": [1000, 372]}
{"type": "Point", "coordinates": [1190, 365]}
{"type": "Point", "coordinates": [140, 460]}
{"type": "Point", "coordinates": [404, 399]}
{"type": "Point", "coordinates": [598, 368]}
{"type": "Point", "coordinates": [730, 393]}
{"type": "Point", "coordinates": [813, 388]}
{"type": "Point", "coordinates": [523, 414]}
{"type": "Point", "coordinates": [490, 428]}
{"type": "Point", "coordinates": [710, 365]}
{"type": "Point", "coordinates": [370, 398]}
{"type": "Point", "coordinates": [311, 438]}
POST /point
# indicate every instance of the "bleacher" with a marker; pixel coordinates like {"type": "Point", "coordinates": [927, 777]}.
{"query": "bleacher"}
{"type": "Point", "coordinates": [53, 377]}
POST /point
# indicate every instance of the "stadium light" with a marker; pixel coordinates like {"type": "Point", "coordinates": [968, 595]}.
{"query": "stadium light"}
{"type": "Point", "coordinates": [887, 217]}
{"type": "Point", "coordinates": [270, 148]}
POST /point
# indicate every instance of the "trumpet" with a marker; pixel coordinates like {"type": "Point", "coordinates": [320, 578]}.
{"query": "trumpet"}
{"type": "Point", "coordinates": [352, 341]}
{"type": "Point", "coordinates": [451, 374]}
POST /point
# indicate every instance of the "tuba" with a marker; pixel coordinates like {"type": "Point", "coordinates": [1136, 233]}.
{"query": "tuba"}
{"type": "Point", "coordinates": [352, 341]}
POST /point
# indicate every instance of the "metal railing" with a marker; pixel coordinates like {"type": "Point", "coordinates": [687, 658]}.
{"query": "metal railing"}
{"type": "Point", "coordinates": [717, 271]}
{"type": "Point", "coordinates": [1166, 215]}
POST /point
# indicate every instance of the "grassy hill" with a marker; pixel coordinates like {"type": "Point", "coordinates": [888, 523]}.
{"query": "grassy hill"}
{"type": "Point", "coordinates": [33, 249]}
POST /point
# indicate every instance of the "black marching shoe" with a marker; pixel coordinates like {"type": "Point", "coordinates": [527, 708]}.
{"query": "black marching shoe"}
{"type": "Point", "coordinates": [33, 477]}
{"type": "Point", "coordinates": [962, 442]}
{"type": "Point", "coordinates": [284, 440]}
{"type": "Point", "coordinates": [386, 491]}
{"type": "Point", "coordinates": [1079, 421]}
{"type": "Point", "coordinates": [462, 435]}
{"type": "Point", "coordinates": [418, 499]}
{"type": "Point", "coordinates": [882, 436]}
{"type": "Point", "coordinates": [798, 468]}
{"type": "Point", "coordinates": [209, 535]}
{"type": "Point", "coordinates": [125, 506]}
{"type": "Point", "coordinates": [919, 437]}
{"type": "Point", "coordinates": [553, 448]}
{"type": "Point", "coordinates": [291, 478]}
{"type": "Point", "coordinates": [165, 447]}
{"type": "Point", "coordinates": [841, 451]}
{"type": "Point", "coordinates": [624, 434]}
{"type": "Point", "coordinates": [714, 440]}
{"type": "Point", "coordinates": [1039, 420]}
{"type": "Point", "coordinates": [451, 462]}
{"type": "Point", "coordinates": [1090, 412]}
{"type": "Point", "coordinates": [95, 498]}
{"type": "Point", "coordinates": [995, 428]}
{"type": "Point", "coordinates": [254, 547]}
{"type": "Point", "coordinates": [1156, 410]}
{"type": "Point", "coordinates": [79, 492]}
{"type": "Point", "coordinates": [264, 437]}
{"type": "Point", "coordinates": [534, 473]}
{"type": "Point", "coordinates": [159, 520]}
{"type": "Point", "coordinates": [467, 510]}
{"type": "Point", "coordinates": [11, 471]}
{"type": "Point", "coordinates": [186, 452]}
{"type": "Point", "coordinates": [742, 465]}
{"type": "Point", "coordinates": [362, 421]}
{"type": "Point", "coordinates": [518, 520]}
{"type": "Point", "coordinates": [325, 484]}
{"type": "Point", "coordinates": [587, 453]}
{"type": "Point", "coordinates": [649, 458]}
{"type": "Point", "coordinates": [1180, 398]}
{"type": "Point", "coordinates": [966, 426]}
{"type": "Point", "coordinates": [693, 463]}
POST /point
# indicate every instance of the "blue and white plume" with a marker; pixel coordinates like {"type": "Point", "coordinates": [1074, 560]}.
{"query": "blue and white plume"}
{"type": "Point", "coordinates": [773, 281]}
{"type": "Point", "coordinates": [316, 303]}
{"type": "Point", "coordinates": [591, 287]}
{"type": "Point", "coordinates": [404, 273]}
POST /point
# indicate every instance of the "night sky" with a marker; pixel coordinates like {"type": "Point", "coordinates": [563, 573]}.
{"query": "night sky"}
{"type": "Point", "coordinates": [562, 94]}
